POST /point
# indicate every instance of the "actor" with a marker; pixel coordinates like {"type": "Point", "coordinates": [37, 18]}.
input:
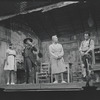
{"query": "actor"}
{"type": "Point", "coordinates": [56, 58]}
{"type": "Point", "coordinates": [29, 54]}
{"type": "Point", "coordinates": [10, 64]}
{"type": "Point", "coordinates": [86, 48]}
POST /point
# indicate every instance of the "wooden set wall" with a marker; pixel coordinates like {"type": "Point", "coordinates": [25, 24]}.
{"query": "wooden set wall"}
{"type": "Point", "coordinates": [15, 35]}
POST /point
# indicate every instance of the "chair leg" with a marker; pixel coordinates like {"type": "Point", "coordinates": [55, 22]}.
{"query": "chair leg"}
{"type": "Point", "coordinates": [37, 81]}
{"type": "Point", "coordinates": [68, 75]}
{"type": "Point", "coordinates": [51, 78]}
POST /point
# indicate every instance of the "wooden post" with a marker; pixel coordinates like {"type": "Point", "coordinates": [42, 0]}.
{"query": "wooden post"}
{"type": "Point", "coordinates": [68, 74]}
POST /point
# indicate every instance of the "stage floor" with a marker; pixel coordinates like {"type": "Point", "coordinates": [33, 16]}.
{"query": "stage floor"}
{"type": "Point", "coordinates": [44, 87]}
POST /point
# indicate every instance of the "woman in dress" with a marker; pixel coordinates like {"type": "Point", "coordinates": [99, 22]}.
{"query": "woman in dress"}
{"type": "Point", "coordinates": [56, 58]}
{"type": "Point", "coordinates": [10, 66]}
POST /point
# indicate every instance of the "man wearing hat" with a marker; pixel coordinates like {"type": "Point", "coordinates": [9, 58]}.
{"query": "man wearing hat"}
{"type": "Point", "coordinates": [29, 54]}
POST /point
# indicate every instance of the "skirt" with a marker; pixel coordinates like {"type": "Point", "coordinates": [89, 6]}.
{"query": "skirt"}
{"type": "Point", "coordinates": [11, 63]}
{"type": "Point", "coordinates": [58, 66]}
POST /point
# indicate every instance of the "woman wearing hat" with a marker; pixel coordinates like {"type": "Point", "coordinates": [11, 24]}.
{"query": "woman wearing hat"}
{"type": "Point", "coordinates": [29, 54]}
{"type": "Point", "coordinates": [10, 64]}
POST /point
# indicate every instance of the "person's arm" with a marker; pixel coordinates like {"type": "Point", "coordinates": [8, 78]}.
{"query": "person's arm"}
{"type": "Point", "coordinates": [52, 53]}
{"type": "Point", "coordinates": [34, 50]}
{"type": "Point", "coordinates": [15, 61]}
{"type": "Point", "coordinates": [61, 53]}
{"type": "Point", "coordinates": [80, 48]}
{"type": "Point", "coordinates": [91, 46]}
{"type": "Point", "coordinates": [15, 54]}
{"type": "Point", "coordinates": [7, 54]}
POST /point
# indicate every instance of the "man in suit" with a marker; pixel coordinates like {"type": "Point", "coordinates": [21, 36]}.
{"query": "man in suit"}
{"type": "Point", "coordinates": [29, 54]}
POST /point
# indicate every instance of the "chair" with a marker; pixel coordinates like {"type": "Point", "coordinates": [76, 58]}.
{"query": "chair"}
{"type": "Point", "coordinates": [44, 75]}
{"type": "Point", "coordinates": [68, 71]}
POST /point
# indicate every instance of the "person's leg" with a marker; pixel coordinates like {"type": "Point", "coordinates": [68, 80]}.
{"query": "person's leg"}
{"type": "Point", "coordinates": [84, 66]}
{"type": "Point", "coordinates": [90, 63]}
{"type": "Point", "coordinates": [90, 70]}
{"type": "Point", "coordinates": [8, 77]}
{"type": "Point", "coordinates": [84, 72]}
{"type": "Point", "coordinates": [56, 78]}
{"type": "Point", "coordinates": [27, 75]}
{"type": "Point", "coordinates": [31, 75]}
{"type": "Point", "coordinates": [34, 70]}
{"type": "Point", "coordinates": [12, 77]}
{"type": "Point", "coordinates": [62, 78]}
{"type": "Point", "coordinates": [26, 71]}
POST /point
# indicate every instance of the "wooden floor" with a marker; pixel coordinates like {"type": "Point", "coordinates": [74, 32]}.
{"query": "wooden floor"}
{"type": "Point", "coordinates": [47, 87]}
{"type": "Point", "coordinates": [43, 87]}
{"type": "Point", "coordinates": [71, 91]}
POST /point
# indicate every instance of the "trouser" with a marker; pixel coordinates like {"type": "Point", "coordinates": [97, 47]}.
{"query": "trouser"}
{"type": "Point", "coordinates": [30, 72]}
{"type": "Point", "coordinates": [86, 58]}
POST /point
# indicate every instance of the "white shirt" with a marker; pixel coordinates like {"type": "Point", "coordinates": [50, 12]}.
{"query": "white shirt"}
{"type": "Point", "coordinates": [86, 46]}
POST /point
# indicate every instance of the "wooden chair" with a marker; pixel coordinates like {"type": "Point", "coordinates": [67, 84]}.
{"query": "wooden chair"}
{"type": "Point", "coordinates": [68, 71]}
{"type": "Point", "coordinates": [44, 75]}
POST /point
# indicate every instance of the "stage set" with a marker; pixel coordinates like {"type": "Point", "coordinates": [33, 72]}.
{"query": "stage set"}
{"type": "Point", "coordinates": [40, 21]}
{"type": "Point", "coordinates": [50, 87]}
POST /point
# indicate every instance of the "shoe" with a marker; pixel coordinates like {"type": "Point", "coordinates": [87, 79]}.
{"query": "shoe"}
{"type": "Point", "coordinates": [63, 82]}
{"type": "Point", "coordinates": [55, 82]}
{"type": "Point", "coordinates": [12, 83]}
{"type": "Point", "coordinates": [8, 83]}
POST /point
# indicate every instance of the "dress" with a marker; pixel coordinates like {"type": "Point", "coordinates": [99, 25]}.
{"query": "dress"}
{"type": "Point", "coordinates": [11, 61]}
{"type": "Point", "coordinates": [57, 65]}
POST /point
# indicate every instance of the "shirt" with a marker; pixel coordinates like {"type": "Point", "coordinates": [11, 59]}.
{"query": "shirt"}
{"type": "Point", "coordinates": [56, 50]}
{"type": "Point", "coordinates": [87, 45]}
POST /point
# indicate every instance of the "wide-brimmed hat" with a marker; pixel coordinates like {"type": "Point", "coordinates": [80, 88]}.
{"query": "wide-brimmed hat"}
{"type": "Point", "coordinates": [25, 40]}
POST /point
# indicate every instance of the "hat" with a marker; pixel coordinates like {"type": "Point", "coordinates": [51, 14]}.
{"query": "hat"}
{"type": "Point", "coordinates": [27, 39]}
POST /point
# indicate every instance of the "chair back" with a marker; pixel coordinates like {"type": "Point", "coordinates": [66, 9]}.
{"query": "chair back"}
{"type": "Point", "coordinates": [45, 68]}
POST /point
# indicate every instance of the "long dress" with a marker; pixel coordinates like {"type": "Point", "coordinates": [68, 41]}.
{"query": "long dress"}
{"type": "Point", "coordinates": [57, 65]}
{"type": "Point", "coordinates": [11, 60]}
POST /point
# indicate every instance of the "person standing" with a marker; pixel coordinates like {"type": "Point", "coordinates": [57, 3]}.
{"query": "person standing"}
{"type": "Point", "coordinates": [56, 59]}
{"type": "Point", "coordinates": [86, 48]}
{"type": "Point", "coordinates": [10, 64]}
{"type": "Point", "coordinates": [29, 54]}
